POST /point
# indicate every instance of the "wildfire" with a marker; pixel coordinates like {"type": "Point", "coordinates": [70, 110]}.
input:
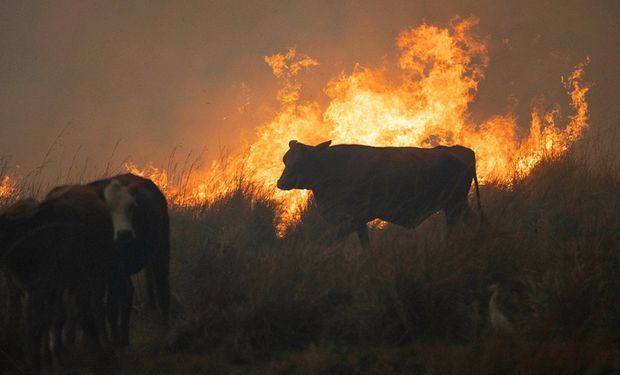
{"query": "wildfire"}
{"type": "Point", "coordinates": [7, 188]}
{"type": "Point", "coordinates": [423, 101]}
{"type": "Point", "coordinates": [190, 188]}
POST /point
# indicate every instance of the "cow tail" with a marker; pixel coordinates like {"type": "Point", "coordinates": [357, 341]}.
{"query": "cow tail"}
{"type": "Point", "coordinates": [482, 218]}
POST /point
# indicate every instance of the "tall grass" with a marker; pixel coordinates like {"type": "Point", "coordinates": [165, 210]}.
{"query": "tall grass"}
{"type": "Point", "coordinates": [551, 243]}
{"type": "Point", "coordinates": [246, 300]}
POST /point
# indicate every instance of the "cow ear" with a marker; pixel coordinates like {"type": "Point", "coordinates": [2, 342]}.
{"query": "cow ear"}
{"type": "Point", "coordinates": [324, 145]}
{"type": "Point", "coordinates": [292, 143]}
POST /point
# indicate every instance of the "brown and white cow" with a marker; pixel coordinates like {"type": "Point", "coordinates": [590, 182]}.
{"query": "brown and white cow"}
{"type": "Point", "coordinates": [150, 249]}
{"type": "Point", "coordinates": [120, 205]}
{"type": "Point", "coordinates": [64, 244]}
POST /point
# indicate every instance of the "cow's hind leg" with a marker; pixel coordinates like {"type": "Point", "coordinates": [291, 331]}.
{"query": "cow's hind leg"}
{"type": "Point", "coordinates": [162, 287]}
{"type": "Point", "coordinates": [149, 279]}
{"type": "Point", "coordinates": [456, 211]}
{"type": "Point", "coordinates": [157, 286]}
{"type": "Point", "coordinates": [90, 309]}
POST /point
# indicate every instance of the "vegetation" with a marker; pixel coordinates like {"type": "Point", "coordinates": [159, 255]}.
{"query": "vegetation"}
{"type": "Point", "coordinates": [246, 301]}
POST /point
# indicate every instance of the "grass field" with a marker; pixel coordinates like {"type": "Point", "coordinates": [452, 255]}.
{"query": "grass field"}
{"type": "Point", "coordinates": [247, 301]}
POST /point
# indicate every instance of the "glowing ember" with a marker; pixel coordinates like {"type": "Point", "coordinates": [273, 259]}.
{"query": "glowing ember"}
{"type": "Point", "coordinates": [423, 102]}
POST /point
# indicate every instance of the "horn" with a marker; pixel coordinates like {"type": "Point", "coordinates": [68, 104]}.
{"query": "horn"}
{"type": "Point", "coordinates": [323, 145]}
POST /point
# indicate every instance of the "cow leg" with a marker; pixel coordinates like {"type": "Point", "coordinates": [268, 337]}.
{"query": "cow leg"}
{"type": "Point", "coordinates": [45, 341]}
{"type": "Point", "coordinates": [362, 234]}
{"type": "Point", "coordinates": [162, 286]}
{"type": "Point", "coordinates": [90, 310]}
{"type": "Point", "coordinates": [112, 306]}
{"type": "Point", "coordinates": [60, 318]}
{"type": "Point", "coordinates": [456, 211]}
{"type": "Point", "coordinates": [120, 295]}
{"type": "Point", "coordinates": [35, 340]}
{"type": "Point", "coordinates": [72, 317]}
{"type": "Point", "coordinates": [35, 326]}
{"type": "Point", "coordinates": [125, 312]}
{"type": "Point", "coordinates": [15, 309]}
{"type": "Point", "coordinates": [97, 298]}
{"type": "Point", "coordinates": [89, 322]}
{"type": "Point", "coordinates": [56, 343]}
{"type": "Point", "coordinates": [149, 278]}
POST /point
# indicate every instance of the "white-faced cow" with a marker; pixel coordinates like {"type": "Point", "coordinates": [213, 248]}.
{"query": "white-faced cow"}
{"type": "Point", "coordinates": [150, 250]}
{"type": "Point", "coordinates": [120, 205]}
{"type": "Point", "coordinates": [354, 184]}
{"type": "Point", "coordinates": [64, 244]}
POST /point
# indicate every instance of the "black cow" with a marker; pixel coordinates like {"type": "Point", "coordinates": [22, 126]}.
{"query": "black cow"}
{"type": "Point", "coordinates": [151, 248]}
{"type": "Point", "coordinates": [354, 184]}
{"type": "Point", "coordinates": [61, 245]}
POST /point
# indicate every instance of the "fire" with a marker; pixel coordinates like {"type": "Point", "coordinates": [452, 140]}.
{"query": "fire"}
{"type": "Point", "coordinates": [422, 101]}
{"type": "Point", "coordinates": [190, 188]}
{"type": "Point", "coordinates": [8, 188]}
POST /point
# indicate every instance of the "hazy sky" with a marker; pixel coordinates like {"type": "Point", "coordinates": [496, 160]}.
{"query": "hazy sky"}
{"type": "Point", "coordinates": [155, 75]}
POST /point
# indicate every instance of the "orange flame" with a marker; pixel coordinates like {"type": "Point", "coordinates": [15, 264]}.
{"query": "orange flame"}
{"type": "Point", "coordinates": [423, 102]}
{"type": "Point", "coordinates": [288, 66]}
{"type": "Point", "coordinates": [8, 188]}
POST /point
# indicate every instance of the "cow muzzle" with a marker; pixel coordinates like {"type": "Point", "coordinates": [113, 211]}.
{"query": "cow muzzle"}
{"type": "Point", "coordinates": [283, 184]}
{"type": "Point", "coordinates": [125, 235]}
{"type": "Point", "coordinates": [126, 243]}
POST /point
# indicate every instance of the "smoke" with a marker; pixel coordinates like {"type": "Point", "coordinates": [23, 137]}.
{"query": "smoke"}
{"type": "Point", "coordinates": [153, 76]}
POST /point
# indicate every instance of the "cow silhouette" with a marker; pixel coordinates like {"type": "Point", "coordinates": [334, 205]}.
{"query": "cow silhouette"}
{"type": "Point", "coordinates": [149, 250]}
{"type": "Point", "coordinates": [64, 244]}
{"type": "Point", "coordinates": [355, 184]}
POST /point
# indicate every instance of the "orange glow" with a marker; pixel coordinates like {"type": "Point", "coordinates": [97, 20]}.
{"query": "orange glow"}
{"type": "Point", "coordinates": [193, 188]}
{"type": "Point", "coordinates": [422, 102]}
{"type": "Point", "coordinates": [7, 188]}
{"type": "Point", "coordinates": [287, 66]}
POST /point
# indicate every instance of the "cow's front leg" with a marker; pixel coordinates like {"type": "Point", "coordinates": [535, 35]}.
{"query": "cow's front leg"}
{"type": "Point", "coordinates": [36, 328]}
{"type": "Point", "coordinates": [126, 303]}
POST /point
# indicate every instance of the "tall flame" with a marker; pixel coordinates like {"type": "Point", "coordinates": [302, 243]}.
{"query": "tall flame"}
{"type": "Point", "coordinates": [423, 102]}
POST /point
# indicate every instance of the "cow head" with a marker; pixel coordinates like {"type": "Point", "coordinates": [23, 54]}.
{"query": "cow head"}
{"type": "Point", "coordinates": [121, 205]}
{"type": "Point", "coordinates": [301, 166]}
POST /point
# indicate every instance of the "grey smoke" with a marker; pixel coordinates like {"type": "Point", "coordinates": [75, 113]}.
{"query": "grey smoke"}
{"type": "Point", "coordinates": [156, 75]}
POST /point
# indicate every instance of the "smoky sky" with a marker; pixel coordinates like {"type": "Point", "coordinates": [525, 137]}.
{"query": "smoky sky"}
{"type": "Point", "coordinates": [152, 76]}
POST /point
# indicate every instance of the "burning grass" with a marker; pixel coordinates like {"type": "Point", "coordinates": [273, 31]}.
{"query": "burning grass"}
{"type": "Point", "coordinates": [421, 97]}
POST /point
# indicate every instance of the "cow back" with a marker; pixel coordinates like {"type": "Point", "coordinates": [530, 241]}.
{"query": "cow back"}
{"type": "Point", "coordinates": [66, 241]}
{"type": "Point", "coordinates": [402, 185]}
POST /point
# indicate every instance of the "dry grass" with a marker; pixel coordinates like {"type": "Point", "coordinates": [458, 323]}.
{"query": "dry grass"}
{"type": "Point", "coordinates": [246, 301]}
